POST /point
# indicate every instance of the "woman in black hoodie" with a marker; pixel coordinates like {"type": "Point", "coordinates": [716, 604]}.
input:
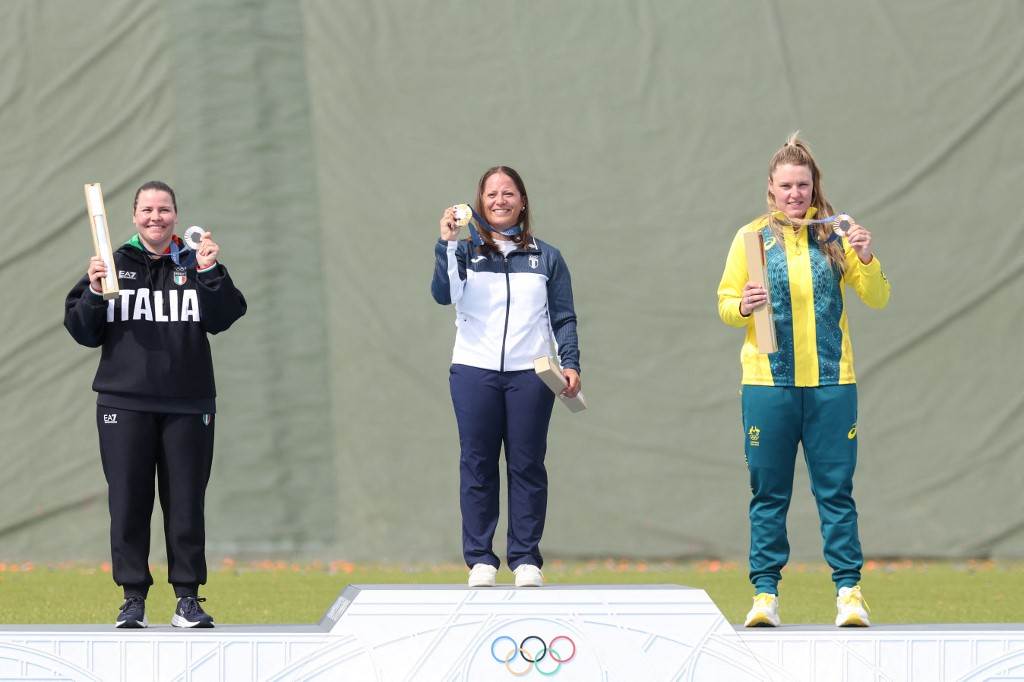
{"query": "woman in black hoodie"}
{"type": "Point", "coordinates": [156, 395]}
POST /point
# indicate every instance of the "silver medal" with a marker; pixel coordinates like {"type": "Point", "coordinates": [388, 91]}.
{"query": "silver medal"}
{"type": "Point", "coordinates": [193, 236]}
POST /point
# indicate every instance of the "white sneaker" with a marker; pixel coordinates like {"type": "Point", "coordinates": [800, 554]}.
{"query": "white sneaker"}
{"type": "Point", "coordinates": [765, 612]}
{"type": "Point", "coordinates": [852, 610]}
{"type": "Point", "coordinates": [528, 575]}
{"type": "Point", "coordinates": [482, 575]}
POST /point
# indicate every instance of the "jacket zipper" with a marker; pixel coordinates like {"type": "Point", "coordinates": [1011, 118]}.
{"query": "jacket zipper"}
{"type": "Point", "coordinates": [508, 306]}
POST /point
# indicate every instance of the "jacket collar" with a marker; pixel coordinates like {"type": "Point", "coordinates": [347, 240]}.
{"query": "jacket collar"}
{"type": "Point", "coordinates": [136, 242]}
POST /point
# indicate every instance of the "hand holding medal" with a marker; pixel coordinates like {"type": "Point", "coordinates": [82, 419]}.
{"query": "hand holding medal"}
{"type": "Point", "coordinates": [454, 218]}
{"type": "Point", "coordinates": [845, 227]}
{"type": "Point", "coordinates": [201, 241]}
{"type": "Point", "coordinates": [858, 237]}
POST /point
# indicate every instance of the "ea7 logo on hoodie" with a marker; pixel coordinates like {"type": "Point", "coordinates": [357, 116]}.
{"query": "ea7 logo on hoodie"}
{"type": "Point", "coordinates": [143, 304]}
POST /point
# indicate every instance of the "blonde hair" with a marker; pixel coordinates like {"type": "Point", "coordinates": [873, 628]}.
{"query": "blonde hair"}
{"type": "Point", "coordinates": [796, 153]}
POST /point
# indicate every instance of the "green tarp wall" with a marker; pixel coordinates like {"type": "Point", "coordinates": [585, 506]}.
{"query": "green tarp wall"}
{"type": "Point", "coordinates": [320, 142]}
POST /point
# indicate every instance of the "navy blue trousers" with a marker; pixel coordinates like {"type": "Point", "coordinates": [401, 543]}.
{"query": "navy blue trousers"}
{"type": "Point", "coordinates": [495, 408]}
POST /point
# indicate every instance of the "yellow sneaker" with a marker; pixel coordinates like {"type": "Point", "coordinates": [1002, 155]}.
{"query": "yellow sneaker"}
{"type": "Point", "coordinates": [765, 612]}
{"type": "Point", "coordinates": [852, 609]}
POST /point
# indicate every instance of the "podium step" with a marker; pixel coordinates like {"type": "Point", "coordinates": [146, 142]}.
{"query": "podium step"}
{"type": "Point", "coordinates": [452, 633]}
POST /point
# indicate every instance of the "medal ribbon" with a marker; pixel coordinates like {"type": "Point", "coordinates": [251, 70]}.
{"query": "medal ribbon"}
{"type": "Point", "coordinates": [821, 221]}
{"type": "Point", "coordinates": [477, 239]}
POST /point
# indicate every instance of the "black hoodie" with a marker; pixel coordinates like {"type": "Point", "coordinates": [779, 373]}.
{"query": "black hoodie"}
{"type": "Point", "coordinates": [156, 357]}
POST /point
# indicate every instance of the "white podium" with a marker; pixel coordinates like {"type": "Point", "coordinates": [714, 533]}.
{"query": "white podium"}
{"type": "Point", "coordinates": [566, 633]}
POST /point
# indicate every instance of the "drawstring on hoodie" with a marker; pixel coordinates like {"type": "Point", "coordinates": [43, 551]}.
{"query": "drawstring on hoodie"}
{"type": "Point", "coordinates": [149, 270]}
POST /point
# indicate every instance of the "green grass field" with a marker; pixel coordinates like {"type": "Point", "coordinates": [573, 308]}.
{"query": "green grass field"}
{"type": "Point", "coordinates": [278, 592]}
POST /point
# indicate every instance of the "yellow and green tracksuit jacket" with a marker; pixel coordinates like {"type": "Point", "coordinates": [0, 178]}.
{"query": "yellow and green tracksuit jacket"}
{"type": "Point", "coordinates": [808, 308]}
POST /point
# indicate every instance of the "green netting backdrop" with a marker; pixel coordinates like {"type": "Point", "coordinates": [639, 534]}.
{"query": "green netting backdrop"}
{"type": "Point", "coordinates": [320, 142]}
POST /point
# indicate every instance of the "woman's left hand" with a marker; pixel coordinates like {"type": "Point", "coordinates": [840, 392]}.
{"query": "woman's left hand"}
{"type": "Point", "coordinates": [573, 379]}
{"type": "Point", "coordinates": [206, 254]}
{"type": "Point", "coordinates": [860, 241]}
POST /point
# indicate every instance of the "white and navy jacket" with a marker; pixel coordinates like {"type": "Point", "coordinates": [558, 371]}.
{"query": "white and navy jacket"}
{"type": "Point", "coordinates": [509, 310]}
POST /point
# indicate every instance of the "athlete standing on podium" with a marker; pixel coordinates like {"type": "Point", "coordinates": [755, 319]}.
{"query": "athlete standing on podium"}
{"type": "Point", "coordinates": [512, 295]}
{"type": "Point", "coordinates": [805, 392]}
{"type": "Point", "coordinates": [155, 404]}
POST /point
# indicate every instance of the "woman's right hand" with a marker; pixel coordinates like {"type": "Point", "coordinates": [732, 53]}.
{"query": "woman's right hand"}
{"type": "Point", "coordinates": [97, 272]}
{"type": "Point", "coordinates": [754, 296]}
{"type": "Point", "coordinates": [449, 229]}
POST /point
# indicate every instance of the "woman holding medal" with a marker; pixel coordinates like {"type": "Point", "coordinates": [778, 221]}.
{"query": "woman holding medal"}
{"type": "Point", "coordinates": [805, 392]}
{"type": "Point", "coordinates": [156, 398]}
{"type": "Point", "coordinates": [513, 298]}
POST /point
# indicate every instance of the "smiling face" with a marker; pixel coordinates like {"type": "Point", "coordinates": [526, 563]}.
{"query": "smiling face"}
{"type": "Point", "coordinates": [501, 201]}
{"type": "Point", "coordinates": [155, 218]}
{"type": "Point", "coordinates": [792, 188]}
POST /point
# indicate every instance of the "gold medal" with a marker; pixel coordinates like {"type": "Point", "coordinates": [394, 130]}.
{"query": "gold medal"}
{"type": "Point", "coordinates": [463, 214]}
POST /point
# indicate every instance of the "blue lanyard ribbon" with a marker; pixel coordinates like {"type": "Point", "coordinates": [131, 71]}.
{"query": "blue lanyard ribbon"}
{"type": "Point", "coordinates": [827, 219]}
{"type": "Point", "coordinates": [822, 221]}
{"type": "Point", "coordinates": [477, 239]}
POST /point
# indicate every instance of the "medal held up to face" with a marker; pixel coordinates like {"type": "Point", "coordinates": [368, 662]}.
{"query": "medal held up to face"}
{"type": "Point", "coordinates": [193, 236]}
{"type": "Point", "coordinates": [466, 216]}
{"type": "Point", "coordinates": [463, 214]}
{"type": "Point", "coordinates": [101, 238]}
{"type": "Point", "coordinates": [841, 224]}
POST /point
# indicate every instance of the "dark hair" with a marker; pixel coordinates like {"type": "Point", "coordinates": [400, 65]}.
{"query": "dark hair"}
{"type": "Point", "coordinates": [524, 216]}
{"type": "Point", "coordinates": [159, 186]}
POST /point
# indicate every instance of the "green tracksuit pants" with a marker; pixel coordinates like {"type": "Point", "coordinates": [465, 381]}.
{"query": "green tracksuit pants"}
{"type": "Point", "coordinates": [824, 420]}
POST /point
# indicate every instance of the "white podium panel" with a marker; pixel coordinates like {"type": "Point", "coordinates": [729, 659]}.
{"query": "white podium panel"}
{"type": "Point", "coordinates": [566, 633]}
{"type": "Point", "coordinates": [575, 632]}
{"type": "Point", "coordinates": [960, 653]}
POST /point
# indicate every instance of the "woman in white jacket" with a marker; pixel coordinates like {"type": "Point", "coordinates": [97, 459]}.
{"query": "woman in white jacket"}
{"type": "Point", "coordinates": [513, 301]}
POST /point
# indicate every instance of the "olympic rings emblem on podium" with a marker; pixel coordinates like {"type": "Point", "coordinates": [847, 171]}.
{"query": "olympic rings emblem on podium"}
{"type": "Point", "coordinates": [533, 649]}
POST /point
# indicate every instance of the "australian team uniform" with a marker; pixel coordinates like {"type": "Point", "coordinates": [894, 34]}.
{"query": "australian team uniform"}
{"type": "Point", "coordinates": [804, 393]}
{"type": "Point", "coordinates": [155, 402]}
{"type": "Point", "coordinates": [510, 309]}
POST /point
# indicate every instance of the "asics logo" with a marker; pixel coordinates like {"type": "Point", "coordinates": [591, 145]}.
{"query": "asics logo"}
{"type": "Point", "coordinates": [852, 433]}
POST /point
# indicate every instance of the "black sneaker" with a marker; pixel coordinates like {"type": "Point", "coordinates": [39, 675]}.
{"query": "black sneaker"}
{"type": "Point", "coordinates": [190, 614]}
{"type": "Point", "coordinates": [132, 614]}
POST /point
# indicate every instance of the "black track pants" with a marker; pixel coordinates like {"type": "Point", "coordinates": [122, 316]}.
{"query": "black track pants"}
{"type": "Point", "coordinates": [175, 450]}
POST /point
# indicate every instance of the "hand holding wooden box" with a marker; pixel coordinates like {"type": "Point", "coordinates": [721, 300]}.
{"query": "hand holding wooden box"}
{"type": "Point", "coordinates": [550, 372]}
{"type": "Point", "coordinates": [757, 273]}
{"type": "Point", "coordinates": [101, 238]}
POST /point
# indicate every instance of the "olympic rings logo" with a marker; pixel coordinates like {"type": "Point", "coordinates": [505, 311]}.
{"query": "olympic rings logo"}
{"type": "Point", "coordinates": [532, 649]}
